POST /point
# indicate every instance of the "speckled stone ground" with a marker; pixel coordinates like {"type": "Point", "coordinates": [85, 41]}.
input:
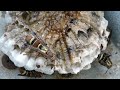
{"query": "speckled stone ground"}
{"type": "Point", "coordinates": [114, 23]}
{"type": "Point", "coordinates": [97, 71]}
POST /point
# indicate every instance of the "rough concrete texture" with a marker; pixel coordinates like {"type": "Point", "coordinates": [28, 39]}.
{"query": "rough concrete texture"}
{"type": "Point", "coordinates": [114, 24]}
{"type": "Point", "coordinates": [97, 71]}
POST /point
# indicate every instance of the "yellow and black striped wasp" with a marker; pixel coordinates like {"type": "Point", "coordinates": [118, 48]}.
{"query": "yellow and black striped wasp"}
{"type": "Point", "coordinates": [104, 59]}
{"type": "Point", "coordinates": [27, 73]}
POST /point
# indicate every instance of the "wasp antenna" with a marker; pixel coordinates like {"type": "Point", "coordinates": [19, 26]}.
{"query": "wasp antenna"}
{"type": "Point", "coordinates": [34, 33]}
{"type": "Point", "coordinates": [109, 55]}
{"type": "Point", "coordinates": [20, 75]}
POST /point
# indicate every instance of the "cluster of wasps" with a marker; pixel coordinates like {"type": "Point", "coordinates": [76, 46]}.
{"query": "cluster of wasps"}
{"type": "Point", "coordinates": [39, 45]}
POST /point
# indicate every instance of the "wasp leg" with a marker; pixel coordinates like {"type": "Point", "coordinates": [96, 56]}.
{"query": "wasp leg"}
{"type": "Point", "coordinates": [22, 50]}
{"type": "Point", "coordinates": [20, 75]}
{"type": "Point", "coordinates": [29, 55]}
{"type": "Point", "coordinates": [106, 71]}
{"type": "Point", "coordinates": [37, 55]}
{"type": "Point", "coordinates": [24, 46]}
{"type": "Point", "coordinates": [28, 52]}
{"type": "Point", "coordinates": [20, 40]}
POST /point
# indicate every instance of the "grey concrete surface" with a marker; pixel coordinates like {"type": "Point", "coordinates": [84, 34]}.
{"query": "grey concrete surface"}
{"type": "Point", "coordinates": [97, 71]}
{"type": "Point", "coordinates": [114, 24]}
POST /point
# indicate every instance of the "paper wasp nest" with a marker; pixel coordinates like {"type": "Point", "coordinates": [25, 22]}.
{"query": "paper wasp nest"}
{"type": "Point", "coordinates": [48, 41]}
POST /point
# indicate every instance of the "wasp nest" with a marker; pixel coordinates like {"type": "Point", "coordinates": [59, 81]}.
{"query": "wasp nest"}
{"type": "Point", "coordinates": [49, 41]}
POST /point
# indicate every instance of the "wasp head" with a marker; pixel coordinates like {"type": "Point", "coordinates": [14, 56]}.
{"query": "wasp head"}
{"type": "Point", "coordinates": [22, 71]}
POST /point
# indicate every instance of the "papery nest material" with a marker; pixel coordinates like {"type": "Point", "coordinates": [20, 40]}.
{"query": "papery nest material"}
{"type": "Point", "coordinates": [73, 37]}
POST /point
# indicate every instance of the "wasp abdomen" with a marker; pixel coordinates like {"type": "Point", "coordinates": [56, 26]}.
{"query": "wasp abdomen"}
{"type": "Point", "coordinates": [39, 45]}
{"type": "Point", "coordinates": [43, 48]}
{"type": "Point", "coordinates": [27, 73]}
{"type": "Point", "coordinates": [30, 39]}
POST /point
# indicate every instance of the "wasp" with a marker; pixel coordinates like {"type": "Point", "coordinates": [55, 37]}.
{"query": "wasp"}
{"type": "Point", "coordinates": [104, 59]}
{"type": "Point", "coordinates": [64, 76]}
{"type": "Point", "coordinates": [39, 45]}
{"type": "Point", "coordinates": [27, 73]}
